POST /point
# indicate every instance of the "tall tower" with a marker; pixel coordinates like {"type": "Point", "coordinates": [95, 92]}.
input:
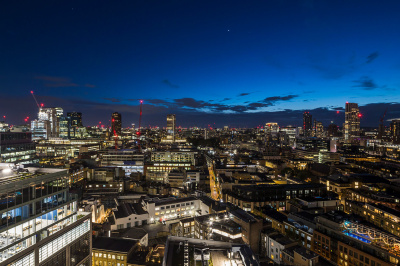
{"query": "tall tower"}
{"type": "Point", "coordinates": [352, 122]}
{"type": "Point", "coordinates": [171, 125]}
{"type": "Point", "coordinates": [395, 131]}
{"type": "Point", "coordinates": [307, 124]}
{"type": "Point", "coordinates": [116, 123]}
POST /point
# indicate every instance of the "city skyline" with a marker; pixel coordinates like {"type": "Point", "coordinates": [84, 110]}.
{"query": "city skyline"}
{"type": "Point", "coordinates": [224, 63]}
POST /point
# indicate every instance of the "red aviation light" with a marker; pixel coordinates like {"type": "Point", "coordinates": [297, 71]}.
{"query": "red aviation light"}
{"type": "Point", "coordinates": [359, 115]}
{"type": "Point", "coordinates": [337, 112]}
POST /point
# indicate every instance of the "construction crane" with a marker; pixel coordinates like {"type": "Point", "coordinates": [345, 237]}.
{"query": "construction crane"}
{"type": "Point", "coordinates": [33, 95]}
{"type": "Point", "coordinates": [381, 129]}
{"type": "Point", "coordinates": [140, 125]}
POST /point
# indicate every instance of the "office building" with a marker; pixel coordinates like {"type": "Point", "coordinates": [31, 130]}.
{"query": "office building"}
{"type": "Point", "coordinates": [173, 208]}
{"type": "Point", "coordinates": [48, 123]}
{"type": "Point", "coordinates": [116, 124]}
{"type": "Point", "coordinates": [395, 131]}
{"type": "Point", "coordinates": [271, 128]}
{"type": "Point", "coordinates": [17, 147]}
{"type": "Point", "coordinates": [352, 122]}
{"type": "Point", "coordinates": [307, 124]}
{"type": "Point", "coordinates": [171, 126]}
{"type": "Point", "coordinates": [40, 224]}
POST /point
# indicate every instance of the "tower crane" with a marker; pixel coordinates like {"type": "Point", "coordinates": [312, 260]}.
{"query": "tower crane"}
{"type": "Point", "coordinates": [33, 95]}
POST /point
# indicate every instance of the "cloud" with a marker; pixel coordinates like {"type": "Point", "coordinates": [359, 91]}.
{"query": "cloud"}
{"type": "Point", "coordinates": [279, 98]}
{"type": "Point", "coordinates": [169, 84]}
{"type": "Point", "coordinates": [211, 106]}
{"type": "Point", "coordinates": [243, 94]}
{"type": "Point", "coordinates": [60, 82]}
{"type": "Point", "coordinates": [114, 100]}
{"type": "Point", "coordinates": [225, 99]}
{"type": "Point", "coordinates": [372, 57]}
{"type": "Point", "coordinates": [366, 83]}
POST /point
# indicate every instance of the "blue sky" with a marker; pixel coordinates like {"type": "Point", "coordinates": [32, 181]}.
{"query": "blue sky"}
{"type": "Point", "coordinates": [238, 62]}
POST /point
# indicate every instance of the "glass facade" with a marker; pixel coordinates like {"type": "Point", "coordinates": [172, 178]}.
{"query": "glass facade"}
{"type": "Point", "coordinates": [33, 207]}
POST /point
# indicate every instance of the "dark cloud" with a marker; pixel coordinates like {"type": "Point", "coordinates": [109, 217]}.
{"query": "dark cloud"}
{"type": "Point", "coordinates": [60, 82]}
{"type": "Point", "coordinates": [200, 105]}
{"type": "Point", "coordinates": [372, 57]}
{"type": "Point", "coordinates": [280, 98]}
{"type": "Point", "coordinates": [366, 83]}
{"type": "Point", "coordinates": [114, 100]}
{"type": "Point", "coordinates": [243, 94]}
{"type": "Point", "coordinates": [225, 99]}
{"type": "Point", "coordinates": [169, 84]}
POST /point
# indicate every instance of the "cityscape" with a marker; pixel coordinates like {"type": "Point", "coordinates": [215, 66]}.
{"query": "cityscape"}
{"type": "Point", "coordinates": [136, 133]}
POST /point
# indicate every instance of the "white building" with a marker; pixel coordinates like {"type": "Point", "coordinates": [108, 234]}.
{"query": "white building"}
{"type": "Point", "coordinates": [129, 215]}
{"type": "Point", "coordinates": [173, 208]}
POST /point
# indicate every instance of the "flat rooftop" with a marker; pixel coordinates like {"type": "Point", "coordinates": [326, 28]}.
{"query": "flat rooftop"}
{"type": "Point", "coordinates": [218, 250]}
{"type": "Point", "coordinates": [8, 176]}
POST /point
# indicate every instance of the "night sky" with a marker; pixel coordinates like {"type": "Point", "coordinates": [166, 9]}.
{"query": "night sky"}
{"type": "Point", "coordinates": [237, 63]}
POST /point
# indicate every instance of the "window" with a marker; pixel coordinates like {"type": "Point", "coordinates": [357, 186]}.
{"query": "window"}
{"type": "Point", "coordinates": [113, 257]}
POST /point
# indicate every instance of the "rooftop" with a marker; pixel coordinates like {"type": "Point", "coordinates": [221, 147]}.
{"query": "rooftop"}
{"type": "Point", "coordinates": [169, 200]}
{"type": "Point", "coordinates": [10, 175]}
{"type": "Point", "coordinates": [113, 244]}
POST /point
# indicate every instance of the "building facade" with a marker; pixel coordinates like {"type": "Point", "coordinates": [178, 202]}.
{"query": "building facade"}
{"type": "Point", "coordinates": [40, 224]}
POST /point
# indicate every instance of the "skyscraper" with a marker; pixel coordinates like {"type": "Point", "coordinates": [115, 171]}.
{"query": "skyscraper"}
{"type": "Point", "coordinates": [76, 118]}
{"type": "Point", "coordinates": [116, 124]}
{"type": "Point", "coordinates": [395, 131]}
{"type": "Point", "coordinates": [352, 122]}
{"type": "Point", "coordinates": [171, 125]}
{"type": "Point", "coordinates": [307, 124]}
{"type": "Point", "coordinates": [48, 123]}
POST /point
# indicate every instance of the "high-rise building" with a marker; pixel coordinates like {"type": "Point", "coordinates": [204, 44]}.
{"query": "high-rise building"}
{"type": "Point", "coordinates": [48, 123]}
{"type": "Point", "coordinates": [171, 125]}
{"type": "Point", "coordinates": [307, 124]}
{"type": "Point", "coordinates": [319, 129]}
{"type": "Point", "coordinates": [40, 223]}
{"type": "Point", "coordinates": [271, 128]}
{"type": "Point", "coordinates": [352, 122]}
{"type": "Point", "coordinates": [75, 118]}
{"type": "Point", "coordinates": [116, 124]}
{"type": "Point", "coordinates": [70, 124]}
{"type": "Point", "coordinates": [395, 131]}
